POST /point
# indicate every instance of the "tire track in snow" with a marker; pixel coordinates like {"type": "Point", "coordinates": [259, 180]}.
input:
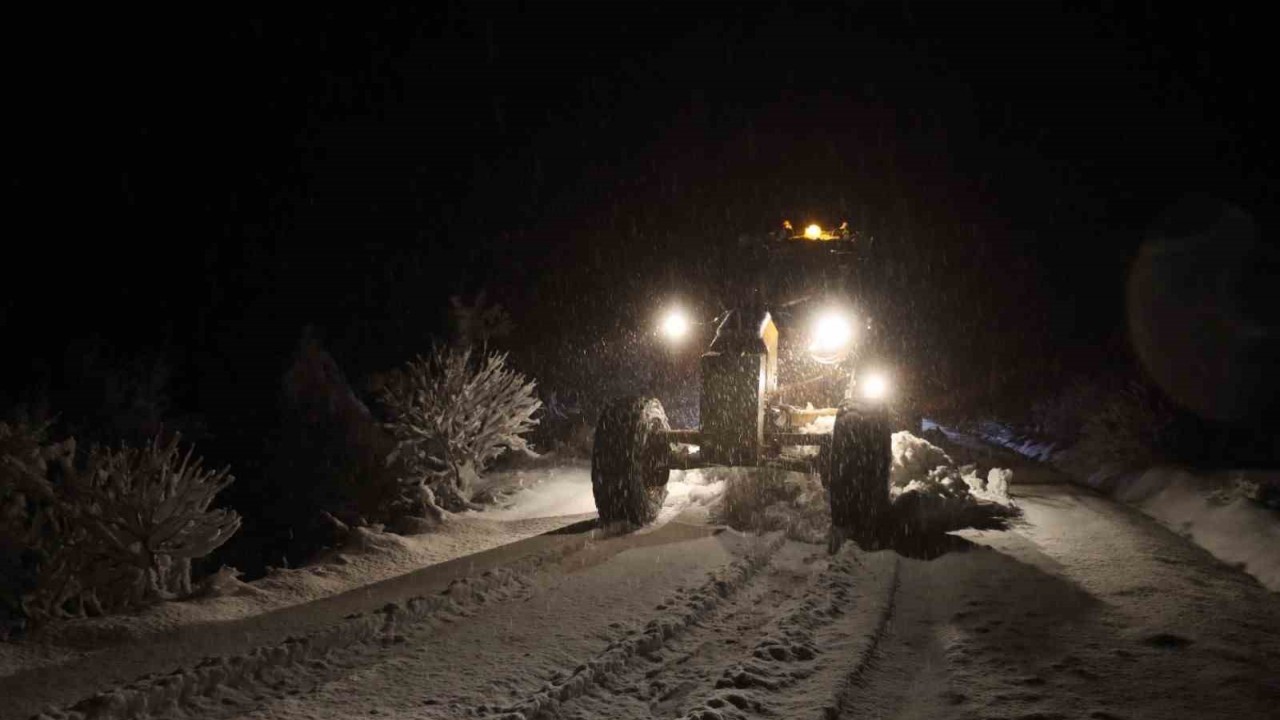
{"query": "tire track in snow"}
{"type": "Point", "coordinates": [869, 656]}
{"type": "Point", "coordinates": [688, 667]}
{"type": "Point", "coordinates": [793, 668]}
{"type": "Point", "coordinates": [315, 657]}
{"type": "Point", "coordinates": [681, 611]}
{"type": "Point", "coordinates": [775, 651]}
{"type": "Point", "coordinates": [453, 667]}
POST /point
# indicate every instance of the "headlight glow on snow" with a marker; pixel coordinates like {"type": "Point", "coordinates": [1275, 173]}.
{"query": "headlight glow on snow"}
{"type": "Point", "coordinates": [675, 325]}
{"type": "Point", "coordinates": [831, 333]}
{"type": "Point", "coordinates": [875, 386]}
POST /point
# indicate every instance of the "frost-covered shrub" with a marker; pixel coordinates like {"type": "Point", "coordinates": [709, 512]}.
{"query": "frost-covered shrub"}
{"type": "Point", "coordinates": [147, 510]}
{"type": "Point", "coordinates": [453, 412]}
{"type": "Point", "coordinates": [116, 530]}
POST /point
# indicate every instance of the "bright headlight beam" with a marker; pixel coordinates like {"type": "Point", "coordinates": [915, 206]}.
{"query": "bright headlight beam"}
{"type": "Point", "coordinates": [813, 232]}
{"type": "Point", "coordinates": [831, 331]}
{"type": "Point", "coordinates": [875, 386]}
{"type": "Point", "coordinates": [674, 325]}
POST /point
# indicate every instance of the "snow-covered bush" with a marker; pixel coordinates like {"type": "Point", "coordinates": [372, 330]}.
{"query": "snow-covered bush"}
{"type": "Point", "coordinates": [452, 413]}
{"type": "Point", "coordinates": [114, 531]}
{"type": "Point", "coordinates": [148, 509]}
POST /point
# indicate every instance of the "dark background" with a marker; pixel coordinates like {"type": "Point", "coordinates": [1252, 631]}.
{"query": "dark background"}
{"type": "Point", "coordinates": [198, 187]}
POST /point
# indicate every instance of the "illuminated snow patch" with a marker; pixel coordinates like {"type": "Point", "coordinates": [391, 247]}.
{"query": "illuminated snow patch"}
{"type": "Point", "coordinates": [547, 492]}
{"type": "Point", "coordinates": [691, 491]}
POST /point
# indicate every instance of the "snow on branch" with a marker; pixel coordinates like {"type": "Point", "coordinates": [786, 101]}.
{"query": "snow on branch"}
{"type": "Point", "coordinates": [451, 411]}
{"type": "Point", "coordinates": [115, 531]}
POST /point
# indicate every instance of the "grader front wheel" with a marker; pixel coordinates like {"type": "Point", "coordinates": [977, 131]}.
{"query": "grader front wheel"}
{"type": "Point", "coordinates": [858, 474]}
{"type": "Point", "coordinates": [629, 461]}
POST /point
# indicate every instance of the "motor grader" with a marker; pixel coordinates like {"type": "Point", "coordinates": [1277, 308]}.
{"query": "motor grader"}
{"type": "Point", "coordinates": [790, 378]}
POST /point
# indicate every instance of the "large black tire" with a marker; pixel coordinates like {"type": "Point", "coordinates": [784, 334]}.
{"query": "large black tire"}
{"type": "Point", "coordinates": [629, 461]}
{"type": "Point", "coordinates": [858, 477]}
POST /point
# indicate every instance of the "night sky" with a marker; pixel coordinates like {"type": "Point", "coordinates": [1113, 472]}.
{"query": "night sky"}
{"type": "Point", "coordinates": [202, 186]}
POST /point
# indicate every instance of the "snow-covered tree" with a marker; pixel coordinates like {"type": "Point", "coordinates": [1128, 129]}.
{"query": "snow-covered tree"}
{"type": "Point", "coordinates": [452, 412]}
{"type": "Point", "coordinates": [114, 531]}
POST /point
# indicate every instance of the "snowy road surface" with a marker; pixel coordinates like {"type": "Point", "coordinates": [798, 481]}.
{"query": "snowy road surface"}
{"type": "Point", "coordinates": [1090, 611]}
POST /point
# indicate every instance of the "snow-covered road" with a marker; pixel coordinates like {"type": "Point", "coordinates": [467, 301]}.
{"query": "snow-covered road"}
{"type": "Point", "coordinates": [1091, 610]}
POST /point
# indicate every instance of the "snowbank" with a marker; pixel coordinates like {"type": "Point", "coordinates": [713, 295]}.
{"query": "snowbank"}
{"type": "Point", "coordinates": [159, 695]}
{"type": "Point", "coordinates": [369, 556]}
{"type": "Point", "coordinates": [546, 499]}
{"type": "Point", "coordinates": [1207, 508]}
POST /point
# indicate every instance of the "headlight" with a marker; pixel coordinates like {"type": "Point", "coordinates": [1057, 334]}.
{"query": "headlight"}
{"type": "Point", "coordinates": [875, 385]}
{"type": "Point", "coordinates": [674, 325]}
{"type": "Point", "coordinates": [830, 336]}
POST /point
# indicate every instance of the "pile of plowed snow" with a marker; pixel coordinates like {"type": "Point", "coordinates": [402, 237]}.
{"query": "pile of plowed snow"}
{"type": "Point", "coordinates": [768, 499]}
{"type": "Point", "coordinates": [931, 495]}
{"type": "Point", "coordinates": [921, 466]}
